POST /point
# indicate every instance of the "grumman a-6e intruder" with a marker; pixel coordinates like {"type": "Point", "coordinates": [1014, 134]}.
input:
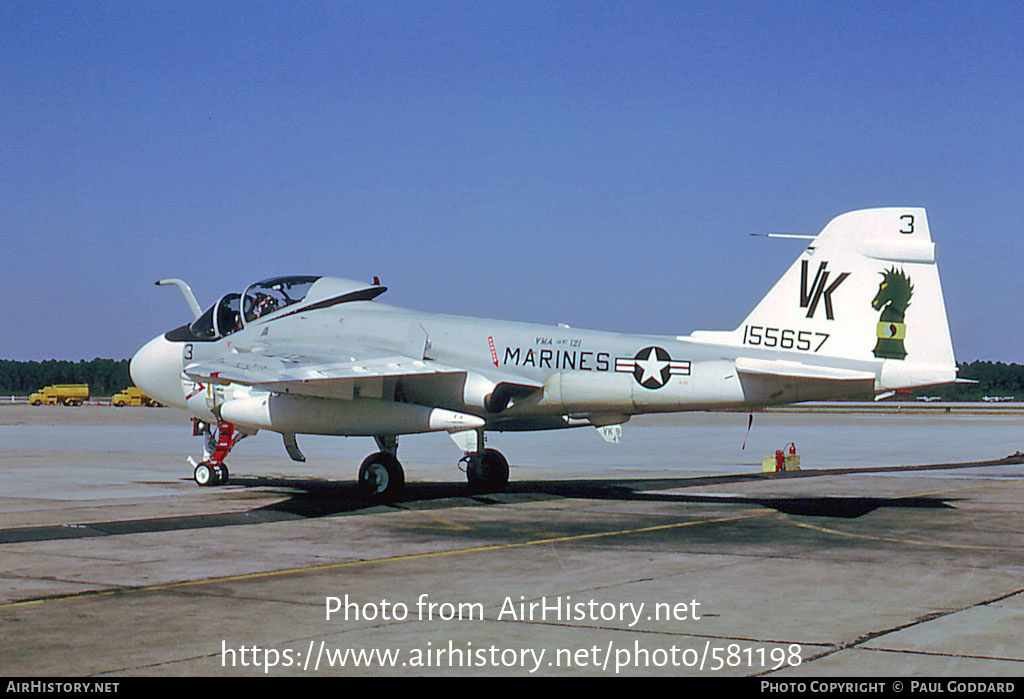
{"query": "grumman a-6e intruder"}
{"type": "Point", "coordinates": [859, 313]}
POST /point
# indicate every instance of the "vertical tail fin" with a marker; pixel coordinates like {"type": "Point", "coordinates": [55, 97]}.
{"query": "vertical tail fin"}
{"type": "Point", "coordinates": [867, 289]}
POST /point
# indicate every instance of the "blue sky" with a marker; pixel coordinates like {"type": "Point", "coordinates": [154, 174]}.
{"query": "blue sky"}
{"type": "Point", "coordinates": [595, 163]}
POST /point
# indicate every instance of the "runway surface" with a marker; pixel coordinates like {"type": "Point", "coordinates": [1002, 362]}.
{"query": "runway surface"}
{"type": "Point", "coordinates": [897, 551]}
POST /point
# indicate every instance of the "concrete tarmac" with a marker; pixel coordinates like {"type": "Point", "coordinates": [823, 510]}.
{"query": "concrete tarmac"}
{"type": "Point", "coordinates": [897, 551]}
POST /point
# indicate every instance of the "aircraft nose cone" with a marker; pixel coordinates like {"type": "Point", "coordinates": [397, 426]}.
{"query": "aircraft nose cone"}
{"type": "Point", "coordinates": [156, 369]}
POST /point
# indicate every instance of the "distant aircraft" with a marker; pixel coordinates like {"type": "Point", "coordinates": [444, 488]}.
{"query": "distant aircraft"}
{"type": "Point", "coordinates": [859, 313]}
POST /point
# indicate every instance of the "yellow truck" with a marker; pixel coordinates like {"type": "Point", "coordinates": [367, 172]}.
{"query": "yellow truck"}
{"type": "Point", "coordinates": [132, 396]}
{"type": "Point", "coordinates": [61, 394]}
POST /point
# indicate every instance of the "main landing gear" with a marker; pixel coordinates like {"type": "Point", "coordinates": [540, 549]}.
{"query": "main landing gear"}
{"type": "Point", "coordinates": [381, 477]}
{"type": "Point", "coordinates": [212, 470]}
{"type": "Point", "coordinates": [486, 471]}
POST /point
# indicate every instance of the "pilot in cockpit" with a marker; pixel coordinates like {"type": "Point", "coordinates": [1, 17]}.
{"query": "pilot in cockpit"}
{"type": "Point", "coordinates": [265, 303]}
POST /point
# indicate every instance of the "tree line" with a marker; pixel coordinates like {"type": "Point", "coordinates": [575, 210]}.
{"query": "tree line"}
{"type": "Point", "coordinates": [994, 379]}
{"type": "Point", "coordinates": [104, 376]}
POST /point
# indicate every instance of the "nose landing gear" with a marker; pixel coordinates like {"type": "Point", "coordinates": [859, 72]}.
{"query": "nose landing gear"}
{"type": "Point", "coordinates": [212, 470]}
{"type": "Point", "coordinates": [207, 473]}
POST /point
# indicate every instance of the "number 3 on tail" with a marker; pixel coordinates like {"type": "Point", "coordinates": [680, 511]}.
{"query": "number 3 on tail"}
{"type": "Point", "coordinates": [908, 223]}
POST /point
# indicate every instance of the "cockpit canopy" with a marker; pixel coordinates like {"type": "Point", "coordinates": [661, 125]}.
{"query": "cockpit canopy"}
{"type": "Point", "coordinates": [220, 319]}
{"type": "Point", "coordinates": [260, 299]}
{"type": "Point", "coordinates": [270, 295]}
{"type": "Point", "coordinates": [234, 311]}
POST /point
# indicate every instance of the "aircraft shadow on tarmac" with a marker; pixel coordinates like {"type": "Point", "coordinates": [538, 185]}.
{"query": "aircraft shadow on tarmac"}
{"type": "Point", "coordinates": [323, 498]}
{"type": "Point", "coordinates": [320, 498]}
{"type": "Point", "coordinates": [313, 498]}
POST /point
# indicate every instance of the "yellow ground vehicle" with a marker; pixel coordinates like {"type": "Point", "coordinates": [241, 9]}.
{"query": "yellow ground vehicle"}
{"type": "Point", "coordinates": [61, 394]}
{"type": "Point", "coordinates": [132, 396]}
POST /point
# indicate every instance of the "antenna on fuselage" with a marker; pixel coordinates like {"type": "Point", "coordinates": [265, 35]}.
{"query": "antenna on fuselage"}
{"type": "Point", "coordinates": [798, 236]}
{"type": "Point", "coordinates": [794, 236]}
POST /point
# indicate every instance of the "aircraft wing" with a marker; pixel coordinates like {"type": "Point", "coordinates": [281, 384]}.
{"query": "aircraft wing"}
{"type": "Point", "coordinates": [320, 371]}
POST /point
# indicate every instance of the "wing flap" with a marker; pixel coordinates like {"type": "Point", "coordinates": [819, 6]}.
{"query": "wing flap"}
{"type": "Point", "coordinates": [329, 371]}
{"type": "Point", "coordinates": [305, 374]}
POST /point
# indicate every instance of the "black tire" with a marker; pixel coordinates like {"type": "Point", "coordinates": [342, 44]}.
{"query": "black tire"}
{"type": "Point", "coordinates": [381, 477]}
{"type": "Point", "coordinates": [220, 474]}
{"type": "Point", "coordinates": [487, 473]}
{"type": "Point", "coordinates": [204, 475]}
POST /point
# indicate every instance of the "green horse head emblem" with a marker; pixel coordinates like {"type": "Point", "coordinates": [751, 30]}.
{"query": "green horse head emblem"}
{"type": "Point", "coordinates": [893, 299]}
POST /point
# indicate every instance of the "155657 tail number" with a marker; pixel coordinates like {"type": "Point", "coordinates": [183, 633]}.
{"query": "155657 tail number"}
{"type": "Point", "coordinates": [783, 338]}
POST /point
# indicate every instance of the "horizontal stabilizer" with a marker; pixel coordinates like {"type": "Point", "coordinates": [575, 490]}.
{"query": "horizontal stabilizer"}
{"type": "Point", "coordinates": [799, 370]}
{"type": "Point", "coordinates": [772, 382]}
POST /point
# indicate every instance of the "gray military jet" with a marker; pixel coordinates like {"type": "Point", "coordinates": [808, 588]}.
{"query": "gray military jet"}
{"type": "Point", "coordinates": [859, 313]}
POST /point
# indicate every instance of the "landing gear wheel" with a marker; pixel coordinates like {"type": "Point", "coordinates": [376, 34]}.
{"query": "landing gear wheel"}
{"type": "Point", "coordinates": [381, 477]}
{"type": "Point", "coordinates": [221, 474]}
{"type": "Point", "coordinates": [204, 474]}
{"type": "Point", "coordinates": [487, 472]}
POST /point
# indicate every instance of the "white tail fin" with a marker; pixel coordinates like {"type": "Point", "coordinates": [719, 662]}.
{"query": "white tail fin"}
{"type": "Point", "coordinates": [866, 289]}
